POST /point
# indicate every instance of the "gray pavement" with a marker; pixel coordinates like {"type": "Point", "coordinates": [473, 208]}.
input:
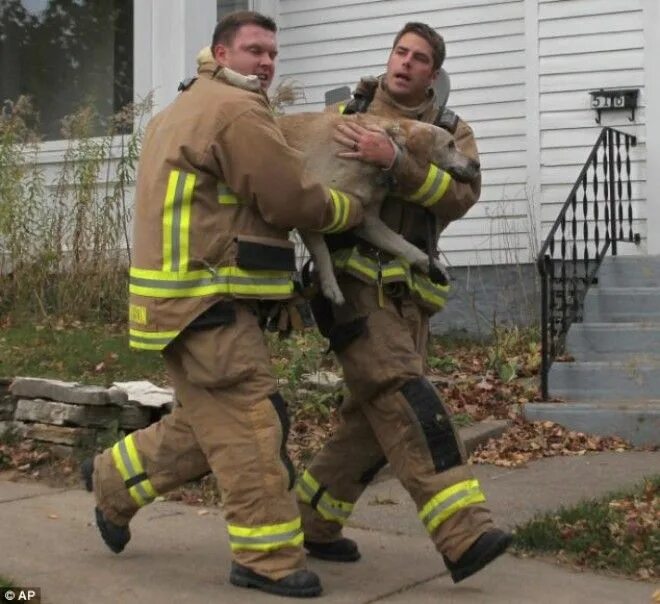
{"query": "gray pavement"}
{"type": "Point", "coordinates": [180, 553]}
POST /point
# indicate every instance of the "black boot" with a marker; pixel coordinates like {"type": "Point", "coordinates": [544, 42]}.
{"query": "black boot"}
{"type": "Point", "coordinates": [115, 537]}
{"type": "Point", "coordinates": [483, 551]}
{"type": "Point", "coordinates": [86, 473]}
{"type": "Point", "coordinates": [341, 550]}
{"type": "Point", "coordinates": [299, 584]}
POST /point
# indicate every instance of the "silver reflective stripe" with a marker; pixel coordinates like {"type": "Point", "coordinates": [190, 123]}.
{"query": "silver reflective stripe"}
{"type": "Point", "coordinates": [323, 504]}
{"type": "Point", "coordinates": [121, 445]}
{"type": "Point", "coordinates": [266, 539]}
{"type": "Point", "coordinates": [332, 510]}
{"type": "Point", "coordinates": [308, 491]}
{"type": "Point", "coordinates": [436, 511]}
{"type": "Point", "coordinates": [177, 208]}
{"type": "Point", "coordinates": [151, 340]}
{"type": "Point", "coordinates": [165, 284]}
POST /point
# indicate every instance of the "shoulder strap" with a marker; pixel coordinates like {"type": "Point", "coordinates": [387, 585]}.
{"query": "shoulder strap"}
{"type": "Point", "coordinates": [362, 97]}
{"type": "Point", "coordinates": [187, 83]}
{"type": "Point", "coordinates": [446, 119]}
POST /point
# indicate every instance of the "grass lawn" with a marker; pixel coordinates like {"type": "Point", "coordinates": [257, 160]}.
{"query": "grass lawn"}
{"type": "Point", "coordinates": [619, 533]}
{"type": "Point", "coordinates": [4, 583]}
{"type": "Point", "coordinates": [90, 354]}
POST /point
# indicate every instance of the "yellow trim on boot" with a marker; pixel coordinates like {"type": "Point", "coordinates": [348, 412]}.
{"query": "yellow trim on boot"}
{"type": "Point", "coordinates": [127, 461]}
{"type": "Point", "coordinates": [266, 537]}
{"type": "Point", "coordinates": [447, 502]}
{"type": "Point", "coordinates": [327, 506]}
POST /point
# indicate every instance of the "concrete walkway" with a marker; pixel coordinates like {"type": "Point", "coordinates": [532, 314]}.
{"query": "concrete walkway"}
{"type": "Point", "coordinates": [180, 553]}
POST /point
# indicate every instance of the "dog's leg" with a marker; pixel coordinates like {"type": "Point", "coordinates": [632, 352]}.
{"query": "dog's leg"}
{"type": "Point", "coordinates": [375, 231]}
{"type": "Point", "coordinates": [323, 264]}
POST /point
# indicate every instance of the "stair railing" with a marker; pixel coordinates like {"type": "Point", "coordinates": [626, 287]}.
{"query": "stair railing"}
{"type": "Point", "coordinates": [597, 213]}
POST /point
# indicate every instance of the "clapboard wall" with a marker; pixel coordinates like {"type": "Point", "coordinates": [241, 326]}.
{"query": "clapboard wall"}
{"type": "Point", "coordinates": [324, 44]}
{"type": "Point", "coordinates": [520, 72]}
{"type": "Point", "coordinates": [586, 45]}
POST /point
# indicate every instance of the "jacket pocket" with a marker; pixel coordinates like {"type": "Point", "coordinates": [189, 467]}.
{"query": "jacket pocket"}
{"type": "Point", "coordinates": [264, 253]}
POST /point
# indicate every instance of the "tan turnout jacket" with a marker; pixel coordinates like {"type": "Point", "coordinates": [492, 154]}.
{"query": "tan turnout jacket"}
{"type": "Point", "coordinates": [218, 190]}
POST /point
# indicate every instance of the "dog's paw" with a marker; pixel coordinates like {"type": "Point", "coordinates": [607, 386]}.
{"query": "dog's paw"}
{"type": "Point", "coordinates": [438, 273]}
{"type": "Point", "coordinates": [333, 293]}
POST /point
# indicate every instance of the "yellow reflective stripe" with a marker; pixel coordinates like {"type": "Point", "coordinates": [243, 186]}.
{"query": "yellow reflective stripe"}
{"type": "Point", "coordinates": [176, 220]}
{"type": "Point", "coordinates": [447, 502]}
{"type": "Point", "coordinates": [229, 280]}
{"type": "Point", "coordinates": [431, 292]}
{"type": "Point", "coordinates": [341, 209]}
{"type": "Point", "coordinates": [127, 462]}
{"type": "Point", "coordinates": [439, 192]}
{"type": "Point", "coordinates": [334, 510]}
{"type": "Point", "coordinates": [226, 196]}
{"type": "Point", "coordinates": [184, 229]}
{"type": "Point", "coordinates": [137, 314]}
{"type": "Point", "coordinates": [341, 107]}
{"type": "Point", "coordinates": [397, 270]}
{"type": "Point", "coordinates": [433, 189]}
{"type": "Point", "coordinates": [168, 217]}
{"type": "Point", "coordinates": [266, 537]}
{"type": "Point", "coordinates": [150, 340]}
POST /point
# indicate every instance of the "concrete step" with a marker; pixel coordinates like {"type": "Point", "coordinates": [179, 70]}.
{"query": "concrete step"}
{"type": "Point", "coordinates": [636, 421]}
{"type": "Point", "coordinates": [613, 341]}
{"type": "Point", "coordinates": [622, 304]}
{"type": "Point", "coordinates": [630, 271]}
{"type": "Point", "coordinates": [606, 380]}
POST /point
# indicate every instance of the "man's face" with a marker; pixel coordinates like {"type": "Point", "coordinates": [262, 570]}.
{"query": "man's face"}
{"type": "Point", "coordinates": [410, 69]}
{"type": "Point", "coordinates": [252, 52]}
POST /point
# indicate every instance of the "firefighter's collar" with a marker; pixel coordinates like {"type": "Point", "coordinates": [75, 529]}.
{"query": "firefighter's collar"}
{"type": "Point", "coordinates": [249, 82]}
{"type": "Point", "coordinates": [383, 95]}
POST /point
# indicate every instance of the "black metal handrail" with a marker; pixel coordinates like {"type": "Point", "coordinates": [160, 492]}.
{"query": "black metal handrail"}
{"type": "Point", "coordinates": [591, 222]}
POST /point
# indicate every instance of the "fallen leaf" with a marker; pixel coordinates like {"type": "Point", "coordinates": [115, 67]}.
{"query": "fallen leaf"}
{"type": "Point", "coordinates": [53, 517]}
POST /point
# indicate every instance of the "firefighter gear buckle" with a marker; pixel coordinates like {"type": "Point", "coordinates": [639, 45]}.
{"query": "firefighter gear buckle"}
{"type": "Point", "coordinates": [187, 83]}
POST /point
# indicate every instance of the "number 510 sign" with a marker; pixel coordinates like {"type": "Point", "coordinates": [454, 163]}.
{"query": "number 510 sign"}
{"type": "Point", "coordinates": [619, 98]}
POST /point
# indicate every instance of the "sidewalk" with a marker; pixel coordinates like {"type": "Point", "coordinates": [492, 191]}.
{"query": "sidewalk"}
{"type": "Point", "coordinates": [180, 553]}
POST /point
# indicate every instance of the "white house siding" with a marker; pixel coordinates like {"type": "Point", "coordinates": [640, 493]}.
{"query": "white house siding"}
{"type": "Point", "coordinates": [329, 43]}
{"type": "Point", "coordinates": [586, 45]}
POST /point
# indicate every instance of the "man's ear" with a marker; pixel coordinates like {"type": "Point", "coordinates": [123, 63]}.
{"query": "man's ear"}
{"type": "Point", "coordinates": [220, 54]}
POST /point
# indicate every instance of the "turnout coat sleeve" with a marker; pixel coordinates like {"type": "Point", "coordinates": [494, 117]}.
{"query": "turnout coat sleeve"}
{"type": "Point", "coordinates": [252, 157]}
{"type": "Point", "coordinates": [459, 197]}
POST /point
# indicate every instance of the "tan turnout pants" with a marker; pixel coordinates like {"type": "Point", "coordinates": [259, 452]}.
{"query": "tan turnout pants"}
{"type": "Point", "coordinates": [393, 414]}
{"type": "Point", "coordinates": [229, 418]}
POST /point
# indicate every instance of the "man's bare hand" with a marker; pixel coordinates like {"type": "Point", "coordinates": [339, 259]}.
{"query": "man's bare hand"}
{"type": "Point", "coordinates": [371, 145]}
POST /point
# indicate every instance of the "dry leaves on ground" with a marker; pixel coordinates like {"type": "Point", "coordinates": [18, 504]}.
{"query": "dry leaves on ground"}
{"type": "Point", "coordinates": [524, 442]}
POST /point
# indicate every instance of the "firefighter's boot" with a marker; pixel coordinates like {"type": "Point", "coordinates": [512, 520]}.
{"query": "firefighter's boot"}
{"type": "Point", "coordinates": [115, 537]}
{"type": "Point", "coordinates": [301, 583]}
{"type": "Point", "coordinates": [483, 551]}
{"type": "Point", "coordinates": [340, 550]}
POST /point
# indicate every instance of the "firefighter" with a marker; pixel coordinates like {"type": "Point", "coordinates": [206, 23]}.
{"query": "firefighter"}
{"type": "Point", "coordinates": [393, 413]}
{"type": "Point", "coordinates": [211, 257]}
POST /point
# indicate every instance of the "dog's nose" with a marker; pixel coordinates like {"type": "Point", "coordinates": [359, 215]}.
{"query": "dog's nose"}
{"type": "Point", "coordinates": [475, 165]}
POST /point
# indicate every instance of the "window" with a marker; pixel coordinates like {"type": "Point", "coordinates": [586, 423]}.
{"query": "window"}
{"type": "Point", "coordinates": [66, 54]}
{"type": "Point", "coordinates": [229, 6]}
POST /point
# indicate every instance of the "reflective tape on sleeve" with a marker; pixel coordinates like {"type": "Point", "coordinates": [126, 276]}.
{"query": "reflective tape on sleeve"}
{"type": "Point", "coordinates": [433, 189]}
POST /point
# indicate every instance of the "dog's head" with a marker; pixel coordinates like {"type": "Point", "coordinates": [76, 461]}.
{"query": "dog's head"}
{"type": "Point", "coordinates": [426, 142]}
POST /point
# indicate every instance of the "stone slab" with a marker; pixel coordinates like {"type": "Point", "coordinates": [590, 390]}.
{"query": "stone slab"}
{"type": "Point", "coordinates": [57, 390]}
{"type": "Point", "coordinates": [60, 435]}
{"type": "Point", "coordinates": [60, 414]}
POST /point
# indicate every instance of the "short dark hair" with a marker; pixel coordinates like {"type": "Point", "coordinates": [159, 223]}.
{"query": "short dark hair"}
{"type": "Point", "coordinates": [435, 40]}
{"type": "Point", "coordinates": [225, 30]}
